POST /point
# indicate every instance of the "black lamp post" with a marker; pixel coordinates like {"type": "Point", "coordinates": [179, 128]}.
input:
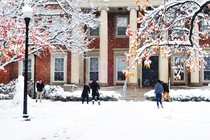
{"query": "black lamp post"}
{"type": "Point", "coordinates": [34, 76]}
{"type": "Point", "coordinates": [27, 14]}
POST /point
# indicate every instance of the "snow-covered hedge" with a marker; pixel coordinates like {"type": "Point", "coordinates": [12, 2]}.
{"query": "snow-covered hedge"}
{"type": "Point", "coordinates": [184, 95]}
{"type": "Point", "coordinates": [56, 93]}
{"type": "Point", "coordinates": [7, 91]}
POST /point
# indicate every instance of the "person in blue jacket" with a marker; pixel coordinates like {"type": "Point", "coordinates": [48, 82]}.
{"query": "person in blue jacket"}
{"type": "Point", "coordinates": [158, 92]}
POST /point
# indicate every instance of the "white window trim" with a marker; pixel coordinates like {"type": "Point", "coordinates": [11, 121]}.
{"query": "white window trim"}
{"type": "Point", "coordinates": [52, 66]}
{"type": "Point", "coordinates": [89, 67]}
{"type": "Point", "coordinates": [116, 71]}
{"type": "Point", "coordinates": [20, 67]}
{"type": "Point", "coordinates": [116, 30]}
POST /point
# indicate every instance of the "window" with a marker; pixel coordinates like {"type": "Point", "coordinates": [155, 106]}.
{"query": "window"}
{"type": "Point", "coordinates": [93, 69]}
{"type": "Point", "coordinates": [178, 73]}
{"type": "Point", "coordinates": [94, 32]}
{"type": "Point", "coordinates": [122, 23]}
{"type": "Point", "coordinates": [58, 69]}
{"type": "Point", "coordinates": [206, 72]}
{"type": "Point", "coordinates": [120, 66]}
{"type": "Point", "coordinates": [205, 26]}
{"type": "Point", "coordinates": [179, 29]}
{"type": "Point", "coordinates": [29, 68]}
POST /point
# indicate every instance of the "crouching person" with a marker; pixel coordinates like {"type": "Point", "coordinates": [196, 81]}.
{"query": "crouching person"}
{"type": "Point", "coordinates": [166, 92]}
{"type": "Point", "coordinates": [95, 93]}
{"type": "Point", "coordinates": [85, 93]}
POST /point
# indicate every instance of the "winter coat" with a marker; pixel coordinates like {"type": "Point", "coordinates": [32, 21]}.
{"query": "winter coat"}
{"type": "Point", "coordinates": [95, 87]}
{"type": "Point", "coordinates": [40, 87]}
{"type": "Point", "coordinates": [86, 91]}
{"type": "Point", "coordinates": [158, 88]}
{"type": "Point", "coordinates": [165, 88]}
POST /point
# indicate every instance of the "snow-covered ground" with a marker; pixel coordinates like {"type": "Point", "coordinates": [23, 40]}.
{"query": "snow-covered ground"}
{"type": "Point", "coordinates": [111, 121]}
{"type": "Point", "coordinates": [120, 120]}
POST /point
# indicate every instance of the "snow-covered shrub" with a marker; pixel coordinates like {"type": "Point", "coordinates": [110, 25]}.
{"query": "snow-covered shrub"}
{"type": "Point", "coordinates": [7, 91]}
{"type": "Point", "coordinates": [56, 93]}
{"type": "Point", "coordinates": [196, 95]}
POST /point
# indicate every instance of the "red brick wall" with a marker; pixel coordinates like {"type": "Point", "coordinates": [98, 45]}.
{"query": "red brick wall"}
{"type": "Point", "coordinates": [69, 68]}
{"type": "Point", "coordinates": [43, 67]}
{"type": "Point", "coordinates": [10, 73]}
{"type": "Point", "coordinates": [114, 42]}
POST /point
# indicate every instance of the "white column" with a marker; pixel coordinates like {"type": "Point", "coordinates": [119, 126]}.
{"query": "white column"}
{"type": "Point", "coordinates": [133, 26]}
{"type": "Point", "coordinates": [103, 52]}
{"type": "Point", "coordinates": [195, 73]}
{"type": "Point", "coordinates": [75, 68]}
{"type": "Point", "coordinates": [163, 69]}
{"type": "Point", "coordinates": [163, 63]}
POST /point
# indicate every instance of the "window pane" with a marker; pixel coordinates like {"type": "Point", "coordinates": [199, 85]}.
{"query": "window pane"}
{"type": "Point", "coordinates": [93, 64]}
{"type": "Point", "coordinates": [207, 59]}
{"type": "Point", "coordinates": [179, 73]}
{"type": "Point", "coordinates": [206, 75]}
{"type": "Point", "coordinates": [122, 23]}
{"type": "Point", "coordinates": [59, 69]}
{"type": "Point", "coordinates": [207, 69]}
{"type": "Point", "coordinates": [93, 76]}
{"type": "Point", "coordinates": [59, 64]}
{"type": "Point", "coordinates": [94, 32]}
{"type": "Point", "coordinates": [120, 76]}
{"type": "Point", "coordinates": [59, 76]}
{"type": "Point", "coordinates": [120, 67]}
{"type": "Point", "coordinates": [121, 30]}
{"type": "Point", "coordinates": [205, 26]}
{"type": "Point", "coordinates": [93, 69]}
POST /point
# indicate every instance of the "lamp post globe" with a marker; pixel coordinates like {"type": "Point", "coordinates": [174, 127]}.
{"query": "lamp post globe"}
{"type": "Point", "coordinates": [27, 14]}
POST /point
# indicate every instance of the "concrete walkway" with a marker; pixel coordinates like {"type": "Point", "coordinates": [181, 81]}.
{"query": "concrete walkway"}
{"type": "Point", "coordinates": [132, 93]}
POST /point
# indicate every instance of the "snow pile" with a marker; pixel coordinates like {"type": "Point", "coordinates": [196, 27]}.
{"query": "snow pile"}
{"type": "Point", "coordinates": [202, 94]}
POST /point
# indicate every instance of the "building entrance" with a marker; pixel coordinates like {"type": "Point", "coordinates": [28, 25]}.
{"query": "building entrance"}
{"type": "Point", "coordinates": [150, 75]}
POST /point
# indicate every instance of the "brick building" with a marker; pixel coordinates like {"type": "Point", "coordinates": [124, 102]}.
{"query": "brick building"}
{"type": "Point", "coordinates": [104, 62]}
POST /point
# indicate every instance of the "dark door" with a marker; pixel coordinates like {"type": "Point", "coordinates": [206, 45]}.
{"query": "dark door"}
{"type": "Point", "coordinates": [150, 75]}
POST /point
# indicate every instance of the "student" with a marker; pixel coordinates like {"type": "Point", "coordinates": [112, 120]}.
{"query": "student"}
{"type": "Point", "coordinates": [85, 93]}
{"type": "Point", "coordinates": [95, 93]}
{"type": "Point", "coordinates": [165, 92]}
{"type": "Point", "coordinates": [40, 87]}
{"type": "Point", "coordinates": [158, 93]}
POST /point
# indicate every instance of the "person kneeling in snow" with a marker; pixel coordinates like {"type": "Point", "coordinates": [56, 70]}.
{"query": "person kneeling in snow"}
{"type": "Point", "coordinates": [165, 92]}
{"type": "Point", "coordinates": [85, 93]}
{"type": "Point", "coordinates": [95, 87]}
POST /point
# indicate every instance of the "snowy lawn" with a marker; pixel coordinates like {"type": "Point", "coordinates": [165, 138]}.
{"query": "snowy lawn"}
{"type": "Point", "coordinates": [111, 121]}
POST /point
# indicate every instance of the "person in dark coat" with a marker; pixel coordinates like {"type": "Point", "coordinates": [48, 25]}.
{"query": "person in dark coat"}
{"type": "Point", "coordinates": [95, 93]}
{"type": "Point", "coordinates": [158, 92]}
{"type": "Point", "coordinates": [40, 87]}
{"type": "Point", "coordinates": [85, 93]}
{"type": "Point", "coordinates": [165, 92]}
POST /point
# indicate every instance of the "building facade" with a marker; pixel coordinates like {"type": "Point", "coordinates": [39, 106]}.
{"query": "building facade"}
{"type": "Point", "coordinates": [104, 62]}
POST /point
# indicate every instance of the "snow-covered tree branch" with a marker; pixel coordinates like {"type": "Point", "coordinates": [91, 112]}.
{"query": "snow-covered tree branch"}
{"type": "Point", "coordinates": [175, 27]}
{"type": "Point", "coordinates": [57, 24]}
